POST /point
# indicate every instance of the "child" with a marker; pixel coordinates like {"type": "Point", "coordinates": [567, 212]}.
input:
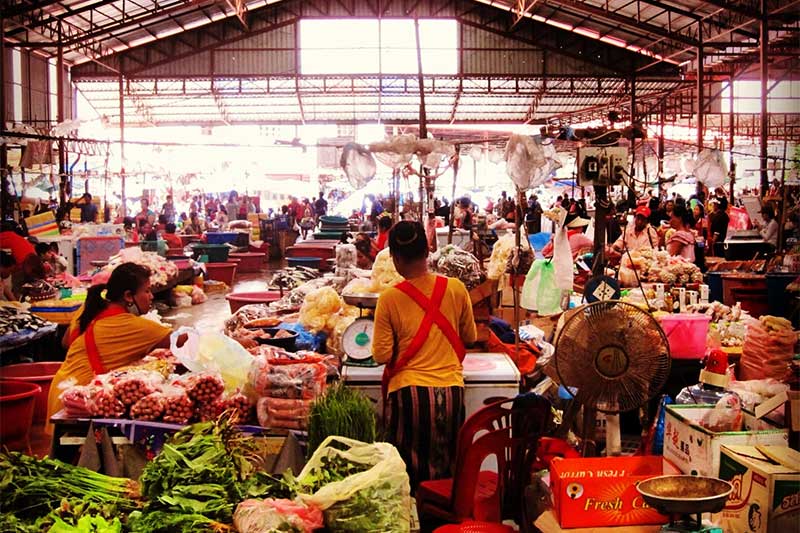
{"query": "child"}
{"type": "Point", "coordinates": [173, 241]}
{"type": "Point", "coordinates": [53, 263]}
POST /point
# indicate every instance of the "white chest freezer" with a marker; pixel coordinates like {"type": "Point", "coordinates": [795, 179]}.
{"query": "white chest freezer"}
{"type": "Point", "coordinates": [486, 375]}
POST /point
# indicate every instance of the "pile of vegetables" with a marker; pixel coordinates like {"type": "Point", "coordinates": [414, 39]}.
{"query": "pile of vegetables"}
{"type": "Point", "coordinates": [39, 495]}
{"type": "Point", "coordinates": [342, 411]}
{"type": "Point", "coordinates": [454, 262]}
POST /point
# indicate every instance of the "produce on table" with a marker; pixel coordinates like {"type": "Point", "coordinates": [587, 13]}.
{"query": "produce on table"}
{"type": "Point", "coordinates": [179, 408]}
{"type": "Point", "coordinates": [384, 274]}
{"type": "Point", "coordinates": [359, 486]}
{"type": "Point", "coordinates": [768, 348]}
{"type": "Point", "coordinates": [455, 262]}
{"type": "Point", "coordinates": [318, 306]}
{"type": "Point", "coordinates": [199, 477]}
{"type": "Point", "coordinates": [342, 411]}
{"type": "Point", "coordinates": [203, 387]}
{"type": "Point", "coordinates": [292, 277]}
{"type": "Point", "coordinates": [34, 493]}
{"type": "Point", "coordinates": [657, 266]}
{"type": "Point", "coordinates": [728, 324]}
{"type": "Point", "coordinates": [77, 400]}
{"type": "Point", "coordinates": [105, 404]}
{"type": "Point", "coordinates": [162, 271]}
{"type": "Point", "coordinates": [151, 407]}
{"type": "Point", "coordinates": [257, 516]}
{"type": "Point", "coordinates": [135, 385]}
{"type": "Point", "coordinates": [14, 319]}
{"type": "Point", "coordinates": [282, 413]}
{"type": "Point", "coordinates": [302, 379]}
{"type": "Point", "coordinates": [358, 286]}
{"type": "Point", "coordinates": [247, 313]}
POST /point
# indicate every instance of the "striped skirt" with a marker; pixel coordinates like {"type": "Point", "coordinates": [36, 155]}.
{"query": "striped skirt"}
{"type": "Point", "coordinates": [423, 425]}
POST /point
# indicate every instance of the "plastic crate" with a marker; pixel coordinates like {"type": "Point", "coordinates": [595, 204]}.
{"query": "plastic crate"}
{"type": "Point", "coordinates": [222, 237]}
{"type": "Point", "coordinates": [215, 253]}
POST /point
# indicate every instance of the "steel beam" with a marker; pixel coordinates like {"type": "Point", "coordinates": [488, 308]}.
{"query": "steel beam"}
{"type": "Point", "coordinates": [700, 93]}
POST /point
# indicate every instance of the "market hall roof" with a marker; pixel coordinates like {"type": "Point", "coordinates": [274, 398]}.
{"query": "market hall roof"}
{"type": "Point", "coordinates": [200, 61]}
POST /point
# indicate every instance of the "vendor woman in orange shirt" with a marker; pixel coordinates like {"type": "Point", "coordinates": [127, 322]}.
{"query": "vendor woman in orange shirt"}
{"type": "Point", "coordinates": [421, 327]}
{"type": "Point", "coordinates": [108, 332]}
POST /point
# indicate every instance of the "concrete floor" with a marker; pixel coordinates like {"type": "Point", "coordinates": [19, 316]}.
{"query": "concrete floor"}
{"type": "Point", "coordinates": [210, 315]}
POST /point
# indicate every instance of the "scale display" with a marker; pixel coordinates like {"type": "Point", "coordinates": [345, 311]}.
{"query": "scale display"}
{"type": "Point", "coordinates": [357, 339]}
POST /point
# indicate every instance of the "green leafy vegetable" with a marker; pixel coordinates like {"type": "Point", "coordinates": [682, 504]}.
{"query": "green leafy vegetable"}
{"type": "Point", "coordinates": [342, 411]}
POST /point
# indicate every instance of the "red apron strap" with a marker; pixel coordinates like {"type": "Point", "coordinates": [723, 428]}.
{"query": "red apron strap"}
{"type": "Point", "coordinates": [433, 315]}
{"type": "Point", "coordinates": [91, 345]}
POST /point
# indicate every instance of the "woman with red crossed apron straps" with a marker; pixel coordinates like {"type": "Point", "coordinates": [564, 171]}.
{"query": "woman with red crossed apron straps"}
{"type": "Point", "coordinates": [108, 333]}
{"type": "Point", "coordinates": [421, 328]}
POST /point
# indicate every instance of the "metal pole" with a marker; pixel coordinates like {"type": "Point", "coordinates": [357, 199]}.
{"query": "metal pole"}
{"type": "Point", "coordinates": [661, 145]}
{"type": "Point", "coordinates": [453, 196]}
{"type": "Point", "coordinates": [764, 58]}
{"type": "Point", "coordinates": [633, 137]}
{"type": "Point", "coordinates": [732, 135]}
{"type": "Point", "coordinates": [124, 210]}
{"type": "Point", "coordinates": [62, 151]}
{"type": "Point", "coordinates": [700, 95]}
{"type": "Point", "coordinates": [6, 204]}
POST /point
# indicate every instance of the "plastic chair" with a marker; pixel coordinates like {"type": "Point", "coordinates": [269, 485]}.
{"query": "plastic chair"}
{"type": "Point", "coordinates": [474, 527]}
{"type": "Point", "coordinates": [514, 427]}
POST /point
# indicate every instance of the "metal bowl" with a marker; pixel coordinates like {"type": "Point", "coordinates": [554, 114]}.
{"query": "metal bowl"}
{"type": "Point", "coordinates": [671, 495]}
{"type": "Point", "coordinates": [369, 300]}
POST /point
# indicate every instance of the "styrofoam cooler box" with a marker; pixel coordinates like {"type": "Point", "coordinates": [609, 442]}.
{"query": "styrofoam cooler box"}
{"type": "Point", "coordinates": [90, 249]}
{"type": "Point", "coordinates": [486, 375]}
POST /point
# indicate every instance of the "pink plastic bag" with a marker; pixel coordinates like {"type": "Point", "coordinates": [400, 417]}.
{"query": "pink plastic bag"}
{"type": "Point", "coordinates": [739, 219]}
{"type": "Point", "coordinates": [254, 516]}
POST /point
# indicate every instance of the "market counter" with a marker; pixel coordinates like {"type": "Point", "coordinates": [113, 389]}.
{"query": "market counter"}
{"type": "Point", "coordinates": [486, 375]}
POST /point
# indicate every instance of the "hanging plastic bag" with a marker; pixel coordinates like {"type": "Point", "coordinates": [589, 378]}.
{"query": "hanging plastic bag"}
{"type": "Point", "coordinates": [374, 499]}
{"type": "Point", "coordinates": [523, 158]}
{"type": "Point", "coordinates": [710, 168]}
{"type": "Point", "coordinates": [562, 260]}
{"type": "Point", "coordinates": [540, 292]}
{"type": "Point", "coordinates": [358, 165]}
{"type": "Point", "coordinates": [530, 291]}
{"type": "Point", "coordinates": [213, 352]}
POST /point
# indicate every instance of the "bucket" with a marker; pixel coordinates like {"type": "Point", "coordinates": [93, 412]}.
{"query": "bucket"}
{"type": "Point", "coordinates": [217, 253]}
{"type": "Point", "coordinates": [239, 299]}
{"type": "Point", "coordinates": [17, 402]}
{"type": "Point", "coordinates": [311, 262]}
{"type": "Point", "coordinates": [250, 261]}
{"type": "Point", "coordinates": [224, 272]}
{"type": "Point", "coordinates": [38, 373]}
{"type": "Point", "coordinates": [687, 334]}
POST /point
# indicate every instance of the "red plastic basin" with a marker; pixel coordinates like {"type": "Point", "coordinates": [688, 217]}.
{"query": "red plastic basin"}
{"type": "Point", "coordinates": [238, 299]}
{"type": "Point", "coordinates": [249, 261]}
{"type": "Point", "coordinates": [39, 373]}
{"type": "Point", "coordinates": [224, 272]}
{"type": "Point", "coordinates": [17, 401]}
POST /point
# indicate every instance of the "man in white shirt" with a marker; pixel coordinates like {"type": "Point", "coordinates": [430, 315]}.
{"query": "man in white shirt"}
{"type": "Point", "coordinates": [769, 231]}
{"type": "Point", "coordinates": [639, 235]}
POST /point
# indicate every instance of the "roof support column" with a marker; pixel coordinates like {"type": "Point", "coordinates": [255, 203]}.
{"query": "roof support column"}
{"type": "Point", "coordinates": [662, 119]}
{"type": "Point", "coordinates": [64, 187]}
{"type": "Point", "coordinates": [731, 135]}
{"type": "Point", "coordinates": [700, 93]}
{"type": "Point", "coordinates": [5, 194]}
{"type": "Point", "coordinates": [124, 210]}
{"type": "Point", "coordinates": [633, 136]}
{"type": "Point", "coordinates": [764, 58]}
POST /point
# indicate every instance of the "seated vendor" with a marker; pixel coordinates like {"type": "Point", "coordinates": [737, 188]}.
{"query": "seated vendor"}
{"type": "Point", "coordinates": [173, 241]}
{"type": "Point", "coordinates": [107, 332]}
{"type": "Point", "coordinates": [195, 225]}
{"type": "Point", "coordinates": [681, 240]}
{"type": "Point", "coordinates": [639, 235]}
{"type": "Point", "coordinates": [7, 266]}
{"type": "Point", "coordinates": [28, 266]}
{"type": "Point", "coordinates": [579, 243]}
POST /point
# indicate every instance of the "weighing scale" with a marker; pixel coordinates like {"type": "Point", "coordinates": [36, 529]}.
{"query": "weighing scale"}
{"type": "Point", "coordinates": [357, 338]}
{"type": "Point", "coordinates": [684, 499]}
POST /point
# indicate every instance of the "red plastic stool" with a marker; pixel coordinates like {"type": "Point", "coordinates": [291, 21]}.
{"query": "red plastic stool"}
{"type": "Point", "coordinates": [474, 527]}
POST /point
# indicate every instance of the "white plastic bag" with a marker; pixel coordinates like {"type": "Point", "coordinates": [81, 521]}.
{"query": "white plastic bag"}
{"type": "Point", "coordinates": [213, 352]}
{"type": "Point", "coordinates": [523, 158]}
{"type": "Point", "coordinates": [383, 489]}
{"type": "Point", "coordinates": [562, 260]}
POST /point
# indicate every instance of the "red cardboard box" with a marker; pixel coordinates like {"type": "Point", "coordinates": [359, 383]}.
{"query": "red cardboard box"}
{"type": "Point", "coordinates": [601, 491]}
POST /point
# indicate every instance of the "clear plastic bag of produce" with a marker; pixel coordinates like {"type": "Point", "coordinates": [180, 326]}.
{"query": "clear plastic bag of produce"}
{"type": "Point", "coordinates": [768, 348]}
{"type": "Point", "coordinates": [258, 516]}
{"type": "Point", "coordinates": [454, 262]}
{"type": "Point", "coordinates": [76, 399]}
{"type": "Point", "coordinates": [318, 306]}
{"type": "Point", "coordinates": [213, 352]}
{"type": "Point", "coordinates": [384, 274]}
{"type": "Point", "coordinates": [136, 384]}
{"type": "Point", "coordinates": [178, 407]}
{"type": "Point", "coordinates": [202, 387]}
{"type": "Point", "coordinates": [282, 413]}
{"type": "Point", "coordinates": [302, 379]}
{"type": "Point", "coordinates": [151, 407]}
{"type": "Point", "coordinates": [247, 313]}
{"type": "Point", "coordinates": [376, 498]}
{"type": "Point", "coordinates": [104, 403]}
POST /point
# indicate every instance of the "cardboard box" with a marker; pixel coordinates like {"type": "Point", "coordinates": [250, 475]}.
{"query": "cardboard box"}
{"type": "Point", "coordinates": [695, 450]}
{"type": "Point", "coordinates": [766, 494]}
{"type": "Point", "coordinates": [601, 491]}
